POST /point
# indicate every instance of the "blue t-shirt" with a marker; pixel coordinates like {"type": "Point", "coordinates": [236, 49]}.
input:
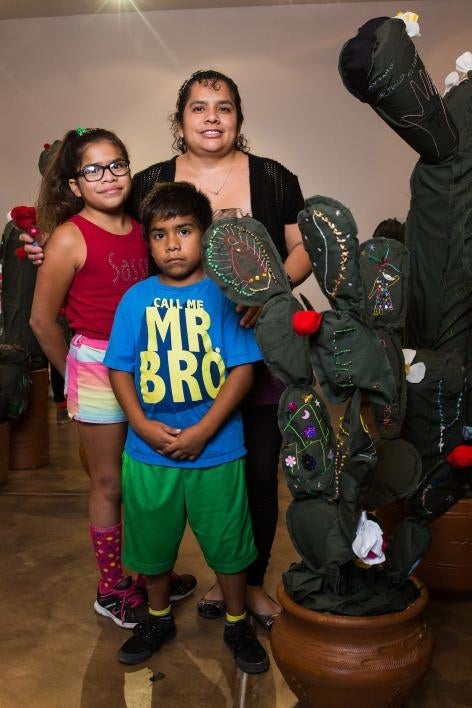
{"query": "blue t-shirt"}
{"type": "Point", "coordinates": [179, 342]}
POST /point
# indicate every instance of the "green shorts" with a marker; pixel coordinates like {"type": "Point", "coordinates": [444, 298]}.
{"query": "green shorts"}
{"type": "Point", "coordinates": [158, 501]}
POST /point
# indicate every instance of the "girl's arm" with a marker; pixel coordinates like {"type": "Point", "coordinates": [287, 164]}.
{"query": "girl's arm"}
{"type": "Point", "coordinates": [66, 253]}
{"type": "Point", "coordinates": [192, 440]}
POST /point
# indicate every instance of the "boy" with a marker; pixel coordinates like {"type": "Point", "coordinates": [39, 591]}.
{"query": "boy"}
{"type": "Point", "coordinates": [180, 364]}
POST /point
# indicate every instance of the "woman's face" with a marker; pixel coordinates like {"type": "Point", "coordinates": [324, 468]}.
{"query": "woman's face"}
{"type": "Point", "coordinates": [210, 122]}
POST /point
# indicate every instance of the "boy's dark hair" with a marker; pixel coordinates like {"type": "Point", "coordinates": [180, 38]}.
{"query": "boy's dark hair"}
{"type": "Point", "coordinates": [56, 202]}
{"type": "Point", "coordinates": [167, 200]}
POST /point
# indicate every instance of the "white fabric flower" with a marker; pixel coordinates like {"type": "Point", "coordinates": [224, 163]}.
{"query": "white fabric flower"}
{"type": "Point", "coordinates": [414, 372]}
{"type": "Point", "coordinates": [367, 544]}
{"type": "Point", "coordinates": [464, 62]}
{"type": "Point", "coordinates": [451, 80]}
{"type": "Point", "coordinates": [411, 23]}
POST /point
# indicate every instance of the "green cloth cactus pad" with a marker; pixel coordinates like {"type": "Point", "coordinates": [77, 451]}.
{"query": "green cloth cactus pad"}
{"type": "Point", "coordinates": [346, 354]}
{"type": "Point", "coordinates": [409, 543]}
{"type": "Point", "coordinates": [390, 415]}
{"type": "Point", "coordinates": [384, 267]}
{"type": "Point", "coordinates": [398, 473]}
{"type": "Point", "coordinates": [241, 257]}
{"type": "Point", "coordinates": [330, 239]}
{"type": "Point", "coordinates": [443, 486]}
{"type": "Point", "coordinates": [308, 452]}
{"type": "Point", "coordinates": [434, 412]}
{"type": "Point", "coordinates": [286, 353]}
{"type": "Point", "coordinates": [313, 527]}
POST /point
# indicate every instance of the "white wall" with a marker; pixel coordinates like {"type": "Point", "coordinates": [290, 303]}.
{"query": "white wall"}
{"type": "Point", "coordinates": [123, 72]}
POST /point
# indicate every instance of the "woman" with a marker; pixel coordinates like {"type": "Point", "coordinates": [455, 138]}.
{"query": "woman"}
{"type": "Point", "coordinates": [213, 156]}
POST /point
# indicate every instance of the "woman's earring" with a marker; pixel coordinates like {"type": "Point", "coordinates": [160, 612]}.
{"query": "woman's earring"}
{"type": "Point", "coordinates": [241, 142]}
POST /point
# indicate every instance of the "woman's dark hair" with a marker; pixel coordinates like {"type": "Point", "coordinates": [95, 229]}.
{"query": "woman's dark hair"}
{"type": "Point", "coordinates": [166, 200]}
{"type": "Point", "coordinates": [56, 201]}
{"type": "Point", "coordinates": [212, 78]}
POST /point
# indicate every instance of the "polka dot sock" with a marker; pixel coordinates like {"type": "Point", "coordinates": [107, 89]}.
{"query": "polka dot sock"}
{"type": "Point", "coordinates": [107, 546]}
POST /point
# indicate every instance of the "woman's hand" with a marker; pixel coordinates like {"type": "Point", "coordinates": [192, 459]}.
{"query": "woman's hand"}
{"type": "Point", "coordinates": [250, 315]}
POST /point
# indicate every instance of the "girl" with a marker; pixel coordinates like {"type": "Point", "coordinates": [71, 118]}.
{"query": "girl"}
{"type": "Point", "coordinates": [94, 254]}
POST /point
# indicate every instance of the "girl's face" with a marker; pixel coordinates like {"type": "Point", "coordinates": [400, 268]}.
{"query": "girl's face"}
{"type": "Point", "coordinates": [110, 192]}
{"type": "Point", "coordinates": [209, 121]}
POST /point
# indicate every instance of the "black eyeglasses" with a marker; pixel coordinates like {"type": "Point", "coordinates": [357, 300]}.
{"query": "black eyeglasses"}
{"type": "Point", "coordinates": [94, 173]}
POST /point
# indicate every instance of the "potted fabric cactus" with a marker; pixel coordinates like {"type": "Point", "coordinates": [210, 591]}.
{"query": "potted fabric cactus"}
{"type": "Point", "coordinates": [346, 581]}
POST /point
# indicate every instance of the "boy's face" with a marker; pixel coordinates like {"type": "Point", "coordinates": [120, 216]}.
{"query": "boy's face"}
{"type": "Point", "coordinates": [176, 247]}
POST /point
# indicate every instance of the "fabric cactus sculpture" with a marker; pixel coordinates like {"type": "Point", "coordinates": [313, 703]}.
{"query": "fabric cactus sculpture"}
{"type": "Point", "coordinates": [19, 276]}
{"type": "Point", "coordinates": [380, 66]}
{"type": "Point", "coordinates": [328, 474]}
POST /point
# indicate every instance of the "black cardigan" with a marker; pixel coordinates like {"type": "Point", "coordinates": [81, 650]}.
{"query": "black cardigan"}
{"type": "Point", "coordinates": [276, 197]}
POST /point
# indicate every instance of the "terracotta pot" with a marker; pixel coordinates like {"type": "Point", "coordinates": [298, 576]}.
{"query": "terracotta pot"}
{"type": "Point", "coordinates": [29, 436]}
{"type": "Point", "coordinates": [331, 661]}
{"type": "Point", "coordinates": [447, 567]}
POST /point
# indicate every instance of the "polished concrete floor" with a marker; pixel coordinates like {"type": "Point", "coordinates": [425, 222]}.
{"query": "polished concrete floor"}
{"type": "Point", "coordinates": [55, 652]}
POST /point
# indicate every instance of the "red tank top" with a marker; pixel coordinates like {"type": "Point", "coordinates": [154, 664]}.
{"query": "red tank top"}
{"type": "Point", "coordinates": [112, 265]}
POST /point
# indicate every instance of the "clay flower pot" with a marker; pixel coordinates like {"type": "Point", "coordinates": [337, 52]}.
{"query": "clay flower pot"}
{"type": "Point", "coordinates": [330, 661]}
{"type": "Point", "coordinates": [447, 567]}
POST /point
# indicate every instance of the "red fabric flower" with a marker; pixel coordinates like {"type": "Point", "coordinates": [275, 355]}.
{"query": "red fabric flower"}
{"type": "Point", "coordinates": [461, 456]}
{"type": "Point", "coordinates": [306, 321]}
{"type": "Point", "coordinates": [24, 216]}
{"type": "Point", "coordinates": [20, 253]}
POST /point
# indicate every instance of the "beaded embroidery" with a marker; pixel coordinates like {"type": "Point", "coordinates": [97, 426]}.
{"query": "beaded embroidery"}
{"type": "Point", "coordinates": [239, 258]}
{"type": "Point", "coordinates": [383, 283]}
{"type": "Point", "coordinates": [311, 436]}
{"type": "Point", "coordinates": [343, 252]}
{"type": "Point", "coordinates": [341, 455]}
{"type": "Point", "coordinates": [442, 424]}
{"type": "Point", "coordinates": [342, 367]}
